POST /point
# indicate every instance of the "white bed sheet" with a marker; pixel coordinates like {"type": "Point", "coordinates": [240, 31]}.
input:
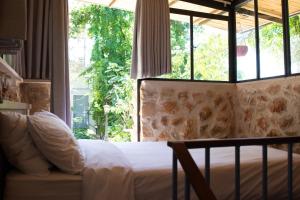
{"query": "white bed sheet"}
{"type": "Point", "coordinates": [56, 186]}
{"type": "Point", "coordinates": [142, 171]}
{"type": "Point", "coordinates": [152, 163]}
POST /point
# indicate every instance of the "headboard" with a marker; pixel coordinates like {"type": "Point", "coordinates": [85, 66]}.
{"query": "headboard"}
{"type": "Point", "coordinates": [4, 166]}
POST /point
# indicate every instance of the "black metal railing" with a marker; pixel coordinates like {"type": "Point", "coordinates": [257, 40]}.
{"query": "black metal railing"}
{"type": "Point", "coordinates": [201, 184]}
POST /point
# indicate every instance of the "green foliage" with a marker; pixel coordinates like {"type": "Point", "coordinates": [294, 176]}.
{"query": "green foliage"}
{"type": "Point", "coordinates": [82, 133]}
{"type": "Point", "coordinates": [180, 53]}
{"type": "Point", "coordinates": [108, 74]}
{"type": "Point", "coordinates": [211, 59]}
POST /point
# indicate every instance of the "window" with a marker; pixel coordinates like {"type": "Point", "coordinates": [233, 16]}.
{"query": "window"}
{"type": "Point", "coordinates": [246, 44]}
{"type": "Point", "coordinates": [199, 50]}
{"type": "Point", "coordinates": [271, 38]}
{"type": "Point", "coordinates": [180, 47]}
{"type": "Point", "coordinates": [80, 111]}
{"type": "Point", "coordinates": [210, 49]}
{"type": "Point", "coordinates": [294, 8]}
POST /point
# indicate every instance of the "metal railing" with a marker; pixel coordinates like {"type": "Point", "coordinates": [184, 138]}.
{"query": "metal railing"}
{"type": "Point", "coordinates": [201, 184]}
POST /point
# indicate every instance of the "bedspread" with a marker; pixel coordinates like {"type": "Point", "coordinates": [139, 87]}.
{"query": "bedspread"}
{"type": "Point", "coordinates": [107, 174]}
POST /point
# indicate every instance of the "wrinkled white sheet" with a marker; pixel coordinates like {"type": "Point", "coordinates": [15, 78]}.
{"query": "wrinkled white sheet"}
{"type": "Point", "coordinates": [107, 174]}
{"type": "Point", "coordinates": [152, 165]}
{"type": "Point", "coordinates": [142, 171]}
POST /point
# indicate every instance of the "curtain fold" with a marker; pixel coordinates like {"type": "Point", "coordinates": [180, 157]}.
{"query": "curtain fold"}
{"type": "Point", "coordinates": [46, 51]}
{"type": "Point", "coordinates": [151, 54]}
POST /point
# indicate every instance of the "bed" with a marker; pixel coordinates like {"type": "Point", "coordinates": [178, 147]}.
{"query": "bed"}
{"type": "Point", "coordinates": [149, 166]}
{"type": "Point", "coordinates": [145, 170]}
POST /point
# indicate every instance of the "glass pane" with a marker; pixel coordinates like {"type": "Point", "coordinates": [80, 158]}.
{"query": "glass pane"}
{"type": "Point", "coordinates": [271, 38]}
{"type": "Point", "coordinates": [246, 45]}
{"type": "Point", "coordinates": [294, 8]}
{"type": "Point", "coordinates": [210, 49]}
{"type": "Point", "coordinates": [180, 47]}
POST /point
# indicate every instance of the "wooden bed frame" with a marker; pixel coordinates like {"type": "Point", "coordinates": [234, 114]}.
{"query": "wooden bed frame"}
{"type": "Point", "coordinates": [201, 185]}
{"type": "Point", "coordinates": [4, 165]}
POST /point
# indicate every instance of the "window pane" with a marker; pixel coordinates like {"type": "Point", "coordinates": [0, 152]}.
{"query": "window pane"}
{"type": "Point", "coordinates": [294, 8]}
{"type": "Point", "coordinates": [180, 47]}
{"type": "Point", "coordinates": [271, 38]}
{"type": "Point", "coordinates": [210, 49]}
{"type": "Point", "coordinates": [246, 45]}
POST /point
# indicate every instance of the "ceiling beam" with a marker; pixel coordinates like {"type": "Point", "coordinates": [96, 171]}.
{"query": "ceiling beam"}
{"type": "Point", "coordinates": [172, 2]}
{"type": "Point", "coordinates": [260, 15]}
{"type": "Point", "coordinates": [210, 3]}
{"type": "Point", "coordinates": [239, 3]}
{"type": "Point", "coordinates": [112, 3]}
{"type": "Point", "coordinates": [198, 14]}
{"type": "Point", "coordinates": [201, 21]}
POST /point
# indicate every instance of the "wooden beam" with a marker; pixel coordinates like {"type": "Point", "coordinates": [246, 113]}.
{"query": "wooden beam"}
{"type": "Point", "coordinates": [210, 3]}
{"type": "Point", "coordinates": [172, 2]}
{"type": "Point", "coordinates": [112, 3]}
{"type": "Point", "coordinates": [198, 14]}
{"type": "Point", "coordinates": [260, 15]}
{"type": "Point", "coordinates": [239, 3]}
{"type": "Point", "coordinates": [195, 177]}
{"type": "Point", "coordinates": [200, 21]}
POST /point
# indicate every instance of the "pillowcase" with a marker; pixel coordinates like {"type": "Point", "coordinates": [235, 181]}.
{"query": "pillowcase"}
{"type": "Point", "coordinates": [18, 146]}
{"type": "Point", "coordinates": [56, 141]}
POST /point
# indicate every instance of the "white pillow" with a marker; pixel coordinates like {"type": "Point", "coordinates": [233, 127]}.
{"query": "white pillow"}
{"type": "Point", "coordinates": [56, 141]}
{"type": "Point", "coordinates": [18, 145]}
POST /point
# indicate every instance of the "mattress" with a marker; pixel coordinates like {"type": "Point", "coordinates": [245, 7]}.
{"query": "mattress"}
{"type": "Point", "coordinates": [57, 185]}
{"type": "Point", "coordinates": [152, 166]}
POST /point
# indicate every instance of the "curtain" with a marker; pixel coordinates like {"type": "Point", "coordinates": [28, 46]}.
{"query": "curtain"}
{"type": "Point", "coordinates": [46, 51]}
{"type": "Point", "coordinates": [151, 42]}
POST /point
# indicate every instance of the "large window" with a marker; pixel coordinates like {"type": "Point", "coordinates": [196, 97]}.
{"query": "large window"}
{"type": "Point", "coordinates": [210, 49]}
{"type": "Point", "coordinates": [271, 38]}
{"type": "Point", "coordinates": [199, 44]}
{"type": "Point", "coordinates": [246, 43]}
{"type": "Point", "coordinates": [294, 8]}
{"type": "Point", "coordinates": [180, 47]}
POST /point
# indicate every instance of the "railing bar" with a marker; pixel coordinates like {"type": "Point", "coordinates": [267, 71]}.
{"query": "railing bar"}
{"type": "Point", "coordinates": [186, 188]}
{"type": "Point", "coordinates": [290, 171]}
{"type": "Point", "coordinates": [237, 172]}
{"type": "Point", "coordinates": [174, 177]}
{"type": "Point", "coordinates": [207, 165]}
{"type": "Point", "coordinates": [265, 172]}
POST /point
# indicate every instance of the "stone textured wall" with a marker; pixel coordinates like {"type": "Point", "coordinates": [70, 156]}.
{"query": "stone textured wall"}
{"type": "Point", "coordinates": [36, 93]}
{"type": "Point", "coordinates": [189, 110]}
{"type": "Point", "coordinates": [12, 94]}
{"type": "Point", "coordinates": [186, 110]}
{"type": "Point", "coordinates": [268, 108]}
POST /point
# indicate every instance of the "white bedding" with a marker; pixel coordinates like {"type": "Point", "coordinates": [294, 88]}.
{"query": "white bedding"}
{"type": "Point", "coordinates": [142, 171]}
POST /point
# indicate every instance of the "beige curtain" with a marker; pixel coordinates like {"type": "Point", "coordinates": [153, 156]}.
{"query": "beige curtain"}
{"type": "Point", "coordinates": [151, 43]}
{"type": "Point", "coordinates": [46, 50]}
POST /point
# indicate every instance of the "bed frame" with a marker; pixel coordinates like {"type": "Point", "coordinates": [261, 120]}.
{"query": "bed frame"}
{"type": "Point", "coordinates": [200, 184]}
{"type": "Point", "coordinates": [9, 106]}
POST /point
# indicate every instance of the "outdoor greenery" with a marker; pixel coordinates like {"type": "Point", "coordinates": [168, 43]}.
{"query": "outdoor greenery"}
{"type": "Point", "coordinates": [108, 74]}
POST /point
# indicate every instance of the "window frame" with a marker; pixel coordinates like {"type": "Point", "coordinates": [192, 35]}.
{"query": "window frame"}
{"type": "Point", "coordinates": [286, 40]}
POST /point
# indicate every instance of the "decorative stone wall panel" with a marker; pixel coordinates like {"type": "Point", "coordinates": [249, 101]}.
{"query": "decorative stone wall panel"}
{"type": "Point", "coordinates": [36, 93]}
{"type": "Point", "coordinates": [186, 110]}
{"type": "Point", "coordinates": [268, 108]}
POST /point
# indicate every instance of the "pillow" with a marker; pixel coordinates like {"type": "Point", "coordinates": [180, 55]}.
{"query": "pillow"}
{"type": "Point", "coordinates": [18, 145]}
{"type": "Point", "coordinates": [56, 141]}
